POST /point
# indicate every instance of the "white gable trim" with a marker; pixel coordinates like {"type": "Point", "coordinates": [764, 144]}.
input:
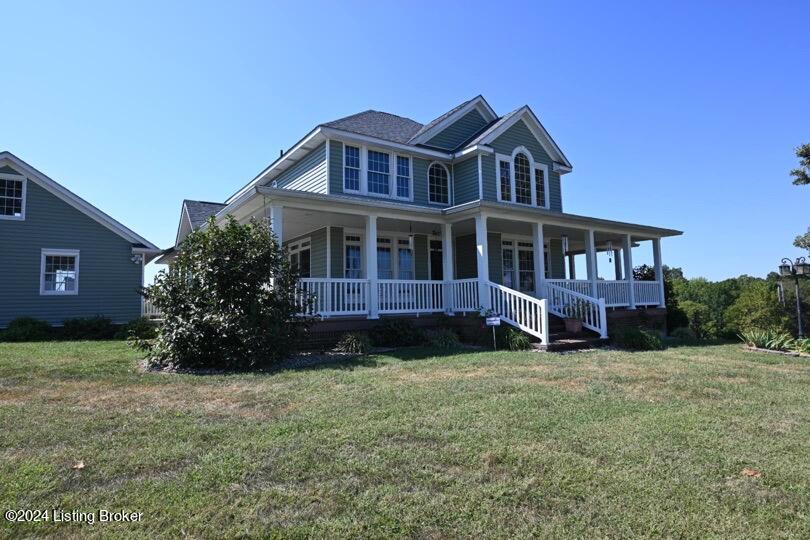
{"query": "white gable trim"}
{"type": "Point", "coordinates": [479, 103]}
{"type": "Point", "coordinates": [73, 200]}
{"type": "Point", "coordinates": [525, 113]}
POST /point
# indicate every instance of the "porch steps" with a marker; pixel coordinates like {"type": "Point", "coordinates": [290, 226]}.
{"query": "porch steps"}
{"type": "Point", "coordinates": [561, 341]}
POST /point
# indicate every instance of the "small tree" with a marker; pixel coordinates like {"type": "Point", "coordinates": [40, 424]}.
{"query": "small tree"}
{"type": "Point", "coordinates": [801, 177]}
{"type": "Point", "coordinates": [219, 308]}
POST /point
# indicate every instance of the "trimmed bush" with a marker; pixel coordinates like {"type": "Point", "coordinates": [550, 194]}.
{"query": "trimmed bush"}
{"type": "Point", "coordinates": [443, 338]}
{"type": "Point", "coordinates": [27, 329]}
{"type": "Point", "coordinates": [684, 333]}
{"type": "Point", "coordinates": [140, 328]}
{"type": "Point", "coordinates": [354, 343]}
{"type": "Point", "coordinates": [90, 328]}
{"type": "Point", "coordinates": [515, 340]}
{"type": "Point", "coordinates": [397, 333]}
{"type": "Point", "coordinates": [636, 339]}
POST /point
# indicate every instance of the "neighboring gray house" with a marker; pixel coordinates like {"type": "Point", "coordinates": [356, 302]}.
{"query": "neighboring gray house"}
{"type": "Point", "coordinates": [63, 258]}
{"type": "Point", "coordinates": [385, 216]}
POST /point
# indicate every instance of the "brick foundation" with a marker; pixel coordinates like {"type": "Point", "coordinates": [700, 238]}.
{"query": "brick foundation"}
{"type": "Point", "coordinates": [650, 318]}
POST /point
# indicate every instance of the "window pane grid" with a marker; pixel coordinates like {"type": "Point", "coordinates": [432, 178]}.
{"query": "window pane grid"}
{"type": "Point", "coordinates": [403, 177]}
{"type": "Point", "coordinates": [438, 185]}
{"type": "Point", "coordinates": [378, 172]}
{"type": "Point", "coordinates": [506, 182]}
{"type": "Point", "coordinates": [60, 273]}
{"type": "Point", "coordinates": [11, 197]}
{"type": "Point", "coordinates": [540, 186]}
{"type": "Point", "coordinates": [523, 184]}
{"type": "Point", "coordinates": [351, 170]}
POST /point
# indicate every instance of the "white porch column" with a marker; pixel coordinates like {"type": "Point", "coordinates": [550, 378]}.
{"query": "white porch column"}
{"type": "Point", "coordinates": [659, 269]}
{"type": "Point", "coordinates": [447, 266]}
{"type": "Point", "coordinates": [590, 257]}
{"type": "Point", "coordinates": [275, 220]}
{"type": "Point", "coordinates": [627, 251]}
{"type": "Point", "coordinates": [539, 261]}
{"type": "Point", "coordinates": [482, 260]}
{"type": "Point", "coordinates": [371, 267]}
{"type": "Point", "coordinates": [572, 266]}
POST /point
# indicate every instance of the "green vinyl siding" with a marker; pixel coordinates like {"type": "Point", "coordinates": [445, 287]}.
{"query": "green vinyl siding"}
{"type": "Point", "coordinates": [459, 131]}
{"type": "Point", "coordinates": [465, 181]}
{"type": "Point", "coordinates": [5, 169]}
{"type": "Point", "coordinates": [108, 278]}
{"type": "Point", "coordinates": [495, 257]}
{"type": "Point", "coordinates": [336, 255]}
{"type": "Point", "coordinates": [465, 265]}
{"type": "Point", "coordinates": [556, 259]}
{"type": "Point", "coordinates": [420, 256]}
{"type": "Point", "coordinates": [520, 135]}
{"type": "Point", "coordinates": [308, 174]}
{"type": "Point", "coordinates": [488, 182]}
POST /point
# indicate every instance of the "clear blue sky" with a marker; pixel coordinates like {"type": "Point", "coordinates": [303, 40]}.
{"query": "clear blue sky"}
{"type": "Point", "coordinates": [681, 116]}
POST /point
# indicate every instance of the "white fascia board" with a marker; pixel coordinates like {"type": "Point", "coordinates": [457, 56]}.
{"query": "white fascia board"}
{"type": "Point", "coordinates": [74, 200]}
{"type": "Point", "coordinates": [477, 149]}
{"type": "Point", "coordinates": [478, 103]}
{"type": "Point", "coordinates": [333, 133]}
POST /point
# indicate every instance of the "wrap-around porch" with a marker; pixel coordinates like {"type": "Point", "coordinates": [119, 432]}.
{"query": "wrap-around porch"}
{"type": "Point", "coordinates": [462, 263]}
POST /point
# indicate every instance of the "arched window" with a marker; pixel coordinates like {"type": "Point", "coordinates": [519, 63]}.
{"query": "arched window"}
{"type": "Point", "coordinates": [523, 179]}
{"type": "Point", "coordinates": [438, 184]}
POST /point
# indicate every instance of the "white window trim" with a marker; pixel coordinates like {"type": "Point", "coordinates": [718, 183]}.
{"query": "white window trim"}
{"type": "Point", "coordinates": [394, 237]}
{"type": "Point", "coordinates": [449, 181]}
{"type": "Point", "coordinates": [392, 172]}
{"type": "Point", "coordinates": [515, 239]}
{"type": "Point", "coordinates": [359, 243]}
{"type": "Point", "coordinates": [409, 198]}
{"type": "Point", "coordinates": [295, 248]}
{"type": "Point", "coordinates": [59, 253]}
{"type": "Point", "coordinates": [18, 178]}
{"type": "Point", "coordinates": [533, 166]}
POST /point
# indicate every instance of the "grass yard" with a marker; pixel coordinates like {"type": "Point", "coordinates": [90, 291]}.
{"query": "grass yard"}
{"type": "Point", "coordinates": [477, 444]}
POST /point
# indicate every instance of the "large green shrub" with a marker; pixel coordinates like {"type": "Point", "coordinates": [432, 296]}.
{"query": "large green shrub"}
{"type": "Point", "coordinates": [757, 307]}
{"type": "Point", "coordinates": [636, 339]}
{"type": "Point", "coordinates": [27, 329]}
{"type": "Point", "coordinates": [228, 301]}
{"type": "Point", "coordinates": [397, 333]}
{"type": "Point", "coordinates": [684, 333]}
{"type": "Point", "coordinates": [90, 328]}
{"type": "Point", "coordinates": [699, 317]}
{"type": "Point", "coordinates": [140, 328]}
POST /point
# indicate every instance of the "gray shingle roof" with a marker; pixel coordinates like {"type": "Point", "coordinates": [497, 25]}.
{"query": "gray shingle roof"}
{"type": "Point", "coordinates": [440, 118]}
{"type": "Point", "coordinates": [200, 211]}
{"type": "Point", "coordinates": [382, 125]}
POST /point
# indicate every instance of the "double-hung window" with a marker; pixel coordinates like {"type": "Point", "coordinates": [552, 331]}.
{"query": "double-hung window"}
{"type": "Point", "coordinates": [523, 179]}
{"type": "Point", "coordinates": [540, 186]}
{"type": "Point", "coordinates": [59, 272]}
{"type": "Point", "coordinates": [404, 259]}
{"type": "Point", "coordinates": [379, 173]}
{"type": "Point", "coordinates": [12, 197]}
{"type": "Point", "coordinates": [505, 180]}
{"type": "Point", "coordinates": [351, 168]}
{"type": "Point", "coordinates": [403, 177]}
{"type": "Point", "coordinates": [299, 253]}
{"type": "Point", "coordinates": [438, 184]}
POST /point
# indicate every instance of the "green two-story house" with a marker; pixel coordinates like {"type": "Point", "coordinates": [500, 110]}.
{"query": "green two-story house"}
{"type": "Point", "coordinates": [385, 216]}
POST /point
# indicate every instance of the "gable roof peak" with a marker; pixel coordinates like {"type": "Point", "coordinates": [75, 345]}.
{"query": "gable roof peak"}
{"type": "Point", "coordinates": [439, 123]}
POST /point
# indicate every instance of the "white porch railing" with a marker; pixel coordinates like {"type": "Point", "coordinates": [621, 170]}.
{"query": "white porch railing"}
{"type": "Point", "coordinates": [465, 295]}
{"type": "Point", "coordinates": [149, 310]}
{"type": "Point", "coordinates": [648, 293]}
{"type": "Point", "coordinates": [564, 302]}
{"type": "Point", "coordinates": [615, 293]}
{"type": "Point", "coordinates": [410, 296]}
{"type": "Point", "coordinates": [520, 310]}
{"type": "Point", "coordinates": [330, 296]}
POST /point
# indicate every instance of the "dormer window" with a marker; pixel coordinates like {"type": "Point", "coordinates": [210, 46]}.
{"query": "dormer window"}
{"type": "Point", "coordinates": [12, 197]}
{"type": "Point", "coordinates": [438, 184]}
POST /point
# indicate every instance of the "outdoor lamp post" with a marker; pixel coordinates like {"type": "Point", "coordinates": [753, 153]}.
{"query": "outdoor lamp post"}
{"type": "Point", "coordinates": [798, 268]}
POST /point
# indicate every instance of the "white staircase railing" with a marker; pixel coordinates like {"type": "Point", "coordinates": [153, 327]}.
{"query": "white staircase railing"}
{"type": "Point", "coordinates": [520, 310]}
{"type": "Point", "coordinates": [564, 303]}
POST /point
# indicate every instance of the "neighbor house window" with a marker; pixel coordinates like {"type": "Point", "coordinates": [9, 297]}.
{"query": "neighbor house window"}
{"type": "Point", "coordinates": [378, 173]}
{"type": "Point", "coordinates": [505, 179]}
{"type": "Point", "coordinates": [353, 268]}
{"type": "Point", "coordinates": [351, 168]}
{"type": "Point", "coordinates": [59, 272]}
{"type": "Point", "coordinates": [438, 184]}
{"type": "Point", "coordinates": [540, 183]}
{"type": "Point", "coordinates": [403, 177]}
{"type": "Point", "coordinates": [523, 180]}
{"type": "Point", "coordinates": [12, 195]}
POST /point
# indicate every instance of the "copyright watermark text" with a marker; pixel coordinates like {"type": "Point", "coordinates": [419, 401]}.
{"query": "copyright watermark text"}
{"type": "Point", "coordinates": [57, 515]}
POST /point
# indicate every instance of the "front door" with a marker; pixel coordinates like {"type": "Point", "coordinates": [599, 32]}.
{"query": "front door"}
{"type": "Point", "coordinates": [518, 265]}
{"type": "Point", "coordinates": [436, 265]}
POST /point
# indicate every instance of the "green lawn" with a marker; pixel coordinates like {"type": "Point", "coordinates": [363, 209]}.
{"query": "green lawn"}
{"type": "Point", "coordinates": [412, 444]}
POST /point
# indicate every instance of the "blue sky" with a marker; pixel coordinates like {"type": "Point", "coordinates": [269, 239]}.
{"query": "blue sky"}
{"type": "Point", "coordinates": [682, 115]}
